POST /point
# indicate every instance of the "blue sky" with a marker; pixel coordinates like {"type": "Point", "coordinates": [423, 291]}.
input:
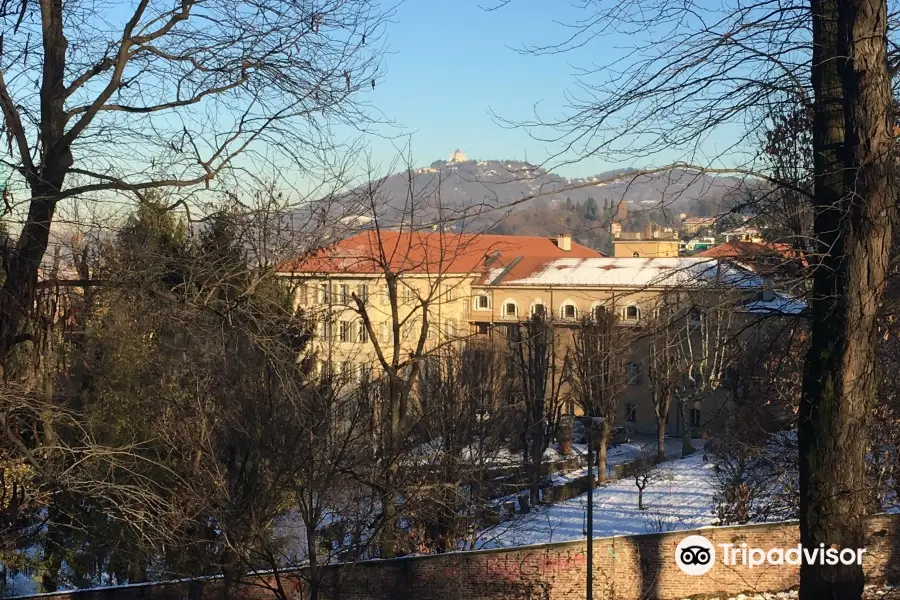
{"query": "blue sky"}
{"type": "Point", "coordinates": [451, 63]}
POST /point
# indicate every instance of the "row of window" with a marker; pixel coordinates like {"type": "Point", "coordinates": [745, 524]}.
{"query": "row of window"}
{"type": "Point", "coordinates": [356, 331]}
{"type": "Point", "coordinates": [342, 293]}
{"type": "Point", "coordinates": [568, 310]}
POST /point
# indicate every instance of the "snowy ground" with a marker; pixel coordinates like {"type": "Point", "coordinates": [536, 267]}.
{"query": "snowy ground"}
{"type": "Point", "coordinates": [623, 453]}
{"type": "Point", "coordinates": [680, 497]}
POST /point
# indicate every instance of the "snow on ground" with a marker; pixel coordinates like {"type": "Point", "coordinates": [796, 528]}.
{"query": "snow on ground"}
{"type": "Point", "coordinates": [20, 584]}
{"type": "Point", "coordinates": [622, 453]}
{"type": "Point", "coordinates": [679, 498]}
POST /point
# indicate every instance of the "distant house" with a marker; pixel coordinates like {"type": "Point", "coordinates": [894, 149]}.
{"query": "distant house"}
{"type": "Point", "coordinates": [692, 226]}
{"type": "Point", "coordinates": [743, 234]}
{"type": "Point", "coordinates": [781, 263]}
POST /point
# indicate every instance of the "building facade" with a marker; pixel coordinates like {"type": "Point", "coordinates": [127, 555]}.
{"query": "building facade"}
{"type": "Point", "coordinates": [475, 288]}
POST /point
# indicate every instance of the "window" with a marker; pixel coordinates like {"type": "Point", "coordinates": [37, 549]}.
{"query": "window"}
{"type": "Point", "coordinates": [385, 297]}
{"type": "Point", "coordinates": [323, 294]}
{"type": "Point", "coordinates": [409, 295]}
{"type": "Point", "coordinates": [569, 312]}
{"type": "Point", "coordinates": [695, 417]}
{"type": "Point", "coordinates": [365, 373]}
{"type": "Point", "coordinates": [631, 413]}
{"type": "Point", "coordinates": [694, 317]}
{"type": "Point", "coordinates": [346, 369]}
{"type": "Point", "coordinates": [633, 373]}
{"type": "Point", "coordinates": [450, 328]}
{"type": "Point", "coordinates": [636, 255]}
{"type": "Point", "coordinates": [510, 309]}
{"type": "Point", "coordinates": [482, 328]}
{"type": "Point", "coordinates": [362, 292]}
{"type": "Point", "coordinates": [538, 310]}
{"type": "Point", "coordinates": [344, 331]}
{"type": "Point", "coordinates": [363, 333]}
{"type": "Point", "coordinates": [599, 313]}
{"type": "Point", "coordinates": [428, 332]}
{"type": "Point", "coordinates": [386, 332]}
{"type": "Point", "coordinates": [632, 313]}
{"type": "Point", "coordinates": [323, 330]}
{"type": "Point", "coordinates": [482, 302]}
{"type": "Point", "coordinates": [302, 294]}
{"type": "Point", "coordinates": [449, 293]}
{"type": "Point", "coordinates": [345, 293]}
{"type": "Point", "coordinates": [407, 331]}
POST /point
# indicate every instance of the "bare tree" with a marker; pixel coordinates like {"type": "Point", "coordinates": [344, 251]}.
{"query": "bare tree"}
{"type": "Point", "coordinates": [704, 353]}
{"type": "Point", "coordinates": [461, 426]}
{"type": "Point", "coordinates": [98, 102]}
{"type": "Point", "coordinates": [535, 385]}
{"type": "Point", "coordinates": [663, 371]}
{"type": "Point", "coordinates": [599, 350]}
{"type": "Point", "coordinates": [644, 472]}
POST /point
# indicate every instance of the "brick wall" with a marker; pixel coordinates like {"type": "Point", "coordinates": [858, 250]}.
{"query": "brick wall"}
{"type": "Point", "coordinates": [625, 568]}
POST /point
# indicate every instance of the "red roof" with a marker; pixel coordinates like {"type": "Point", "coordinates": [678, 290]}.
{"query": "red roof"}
{"type": "Point", "coordinates": [756, 254]}
{"type": "Point", "coordinates": [748, 249]}
{"type": "Point", "coordinates": [432, 252]}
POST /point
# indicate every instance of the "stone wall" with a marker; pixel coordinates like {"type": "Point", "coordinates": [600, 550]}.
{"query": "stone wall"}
{"type": "Point", "coordinates": [625, 568]}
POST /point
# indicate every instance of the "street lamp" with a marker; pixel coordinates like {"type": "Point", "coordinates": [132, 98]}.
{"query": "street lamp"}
{"type": "Point", "coordinates": [592, 421]}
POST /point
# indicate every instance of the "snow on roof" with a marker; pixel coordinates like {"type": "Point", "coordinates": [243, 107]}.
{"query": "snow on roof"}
{"type": "Point", "coordinates": [638, 272]}
{"type": "Point", "coordinates": [780, 304]}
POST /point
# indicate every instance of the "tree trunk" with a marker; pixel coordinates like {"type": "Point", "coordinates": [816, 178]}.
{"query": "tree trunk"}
{"type": "Point", "coordinates": [640, 498]}
{"type": "Point", "coordinates": [313, 559]}
{"type": "Point", "coordinates": [686, 448]}
{"type": "Point", "coordinates": [605, 431]}
{"type": "Point", "coordinates": [45, 181]}
{"type": "Point", "coordinates": [660, 438]}
{"type": "Point", "coordinates": [535, 451]}
{"type": "Point", "coordinates": [854, 204]}
{"type": "Point", "coordinates": [389, 499]}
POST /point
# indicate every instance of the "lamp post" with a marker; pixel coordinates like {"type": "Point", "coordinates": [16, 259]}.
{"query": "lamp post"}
{"type": "Point", "coordinates": [592, 421]}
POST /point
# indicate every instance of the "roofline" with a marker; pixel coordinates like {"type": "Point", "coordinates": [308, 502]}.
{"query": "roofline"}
{"type": "Point", "coordinates": [602, 287]}
{"type": "Point", "coordinates": [351, 274]}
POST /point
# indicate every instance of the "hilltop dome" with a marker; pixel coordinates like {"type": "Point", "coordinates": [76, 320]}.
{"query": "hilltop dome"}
{"type": "Point", "coordinates": [458, 156]}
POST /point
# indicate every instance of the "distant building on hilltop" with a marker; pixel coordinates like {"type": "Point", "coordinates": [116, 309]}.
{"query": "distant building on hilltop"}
{"type": "Point", "coordinates": [458, 157]}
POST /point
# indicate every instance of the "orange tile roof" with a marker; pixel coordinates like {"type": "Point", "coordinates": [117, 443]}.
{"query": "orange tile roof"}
{"type": "Point", "coordinates": [747, 250]}
{"type": "Point", "coordinates": [755, 254]}
{"type": "Point", "coordinates": [427, 252]}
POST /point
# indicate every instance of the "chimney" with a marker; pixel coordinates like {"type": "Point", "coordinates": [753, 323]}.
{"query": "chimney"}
{"type": "Point", "coordinates": [564, 242]}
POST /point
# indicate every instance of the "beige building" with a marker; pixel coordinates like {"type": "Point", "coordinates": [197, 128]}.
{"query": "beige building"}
{"type": "Point", "coordinates": [434, 270]}
{"type": "Point", "coordinates": [638, 248]}
{"type": "Point", "coordinates": [475, 287]}
{"type": "Point", "coordinates": [691, 226]}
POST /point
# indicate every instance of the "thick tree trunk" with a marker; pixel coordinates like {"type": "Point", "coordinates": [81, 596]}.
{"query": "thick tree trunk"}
{"type": "Point", "coordinates": [854, 204]}
{"type": "Point", "coordinates": [602, 444]}
{"type": "Point", "coordinates": [313, 567]}
{"type": "Point", "coordinates": [45, 180]}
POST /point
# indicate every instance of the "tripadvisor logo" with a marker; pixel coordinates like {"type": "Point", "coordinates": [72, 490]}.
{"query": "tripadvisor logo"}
{"type": "Point", "coordinates": [696, 555]}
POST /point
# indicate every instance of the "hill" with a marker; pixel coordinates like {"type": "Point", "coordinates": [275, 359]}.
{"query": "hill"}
{"type": "Point", "coordinates": [514, 197]}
